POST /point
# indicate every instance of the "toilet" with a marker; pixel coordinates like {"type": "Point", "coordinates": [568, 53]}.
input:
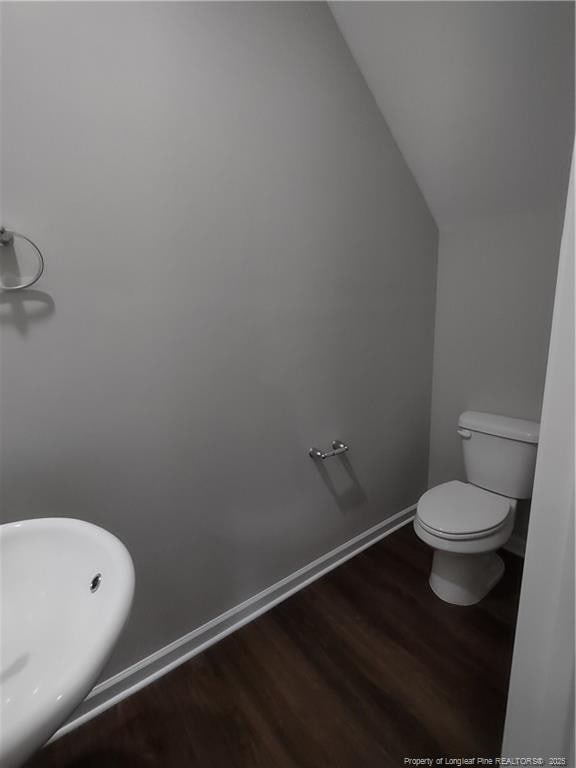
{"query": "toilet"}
{"type": "Point", "coordinates": [465, 523]}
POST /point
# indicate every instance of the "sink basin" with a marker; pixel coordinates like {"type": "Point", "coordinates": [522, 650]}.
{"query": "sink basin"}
{"type": "Point", "coordinates": [66, 588]}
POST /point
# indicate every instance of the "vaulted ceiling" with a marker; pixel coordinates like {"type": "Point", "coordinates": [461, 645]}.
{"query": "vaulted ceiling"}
{"type": "Point", "coordinates": [478, 95]}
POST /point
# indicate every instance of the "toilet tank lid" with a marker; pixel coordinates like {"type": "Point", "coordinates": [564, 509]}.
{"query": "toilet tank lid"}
{"type": "Point", "coordinates": [502, 426]}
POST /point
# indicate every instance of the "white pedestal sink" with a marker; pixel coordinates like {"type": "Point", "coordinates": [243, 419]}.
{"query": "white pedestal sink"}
{"type": "Point", "coordinates": [66, 588]}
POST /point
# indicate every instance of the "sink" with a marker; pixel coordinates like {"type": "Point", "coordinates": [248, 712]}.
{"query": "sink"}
{"type": "Point", "coordinates": [66, 588]}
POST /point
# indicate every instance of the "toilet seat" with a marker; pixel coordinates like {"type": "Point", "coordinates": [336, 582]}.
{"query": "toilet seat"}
{"type": "Point", "coordinates": [462, 536]}
{"type": "Point", "coordinates": [458, 510]}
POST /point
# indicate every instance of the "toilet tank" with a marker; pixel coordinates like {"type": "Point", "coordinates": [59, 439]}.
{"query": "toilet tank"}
{"type": "Point", "coordinates": [499, 452]}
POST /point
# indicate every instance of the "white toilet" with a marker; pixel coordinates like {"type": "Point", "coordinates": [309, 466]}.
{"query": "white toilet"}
{"type": "Point", "coordinates": [466, 523]}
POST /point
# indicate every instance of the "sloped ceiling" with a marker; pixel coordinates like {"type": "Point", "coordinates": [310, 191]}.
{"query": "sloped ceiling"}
{"type": "Point", "coordinates": [478, 95]}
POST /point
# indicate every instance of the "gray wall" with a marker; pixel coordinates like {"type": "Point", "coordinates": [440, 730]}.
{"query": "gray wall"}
{"type": "Point", "coordinates": [239, 265]}
{"type": "Point", "coordinates": [495, 294]}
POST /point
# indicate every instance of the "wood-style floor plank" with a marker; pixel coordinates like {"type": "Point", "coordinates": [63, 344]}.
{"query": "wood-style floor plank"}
{"type": "Point", "coordinates": [359, 670]}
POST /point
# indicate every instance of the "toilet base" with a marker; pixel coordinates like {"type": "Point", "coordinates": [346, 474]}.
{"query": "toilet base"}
{"type": "Point", "coordinates": [464, 579]}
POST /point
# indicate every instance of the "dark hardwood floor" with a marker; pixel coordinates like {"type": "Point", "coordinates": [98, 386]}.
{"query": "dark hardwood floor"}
{"type": "Point", "coordinates": [359, 670]}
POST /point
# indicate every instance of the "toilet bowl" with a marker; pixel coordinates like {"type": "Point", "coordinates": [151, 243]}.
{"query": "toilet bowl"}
{"type": "Point", "coordinates": [465, 523]}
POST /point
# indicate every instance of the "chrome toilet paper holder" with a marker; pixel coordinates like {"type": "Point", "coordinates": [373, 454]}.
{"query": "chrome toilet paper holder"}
{"type": "Point", "coordinates": [338, 448]}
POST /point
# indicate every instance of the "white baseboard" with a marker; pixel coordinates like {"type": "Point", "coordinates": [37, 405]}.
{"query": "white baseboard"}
{"type": "Point", "coordinates": [130, 680]}
{"type": "Point", "coordinates": [516, 544]}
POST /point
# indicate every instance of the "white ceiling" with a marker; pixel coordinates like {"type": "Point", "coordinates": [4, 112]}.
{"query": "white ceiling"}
{"type": "Point", "coordinates": [478, 95]}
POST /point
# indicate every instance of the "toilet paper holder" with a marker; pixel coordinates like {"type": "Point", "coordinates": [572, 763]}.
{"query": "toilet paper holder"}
{"type": "Point", "coordinates": [338, 448]}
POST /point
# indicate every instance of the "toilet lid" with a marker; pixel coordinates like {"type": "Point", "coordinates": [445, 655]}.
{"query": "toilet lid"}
{"type": "Point", "coordinates": [461, 508]}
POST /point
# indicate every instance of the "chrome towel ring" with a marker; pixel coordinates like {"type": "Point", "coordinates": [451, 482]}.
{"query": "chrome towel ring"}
{"type": "Point", "coordinates": [7, 242]}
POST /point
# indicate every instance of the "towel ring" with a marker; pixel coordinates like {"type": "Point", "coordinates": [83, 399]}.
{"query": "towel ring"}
{"type": "Point", "coordinates": [6, 239]}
